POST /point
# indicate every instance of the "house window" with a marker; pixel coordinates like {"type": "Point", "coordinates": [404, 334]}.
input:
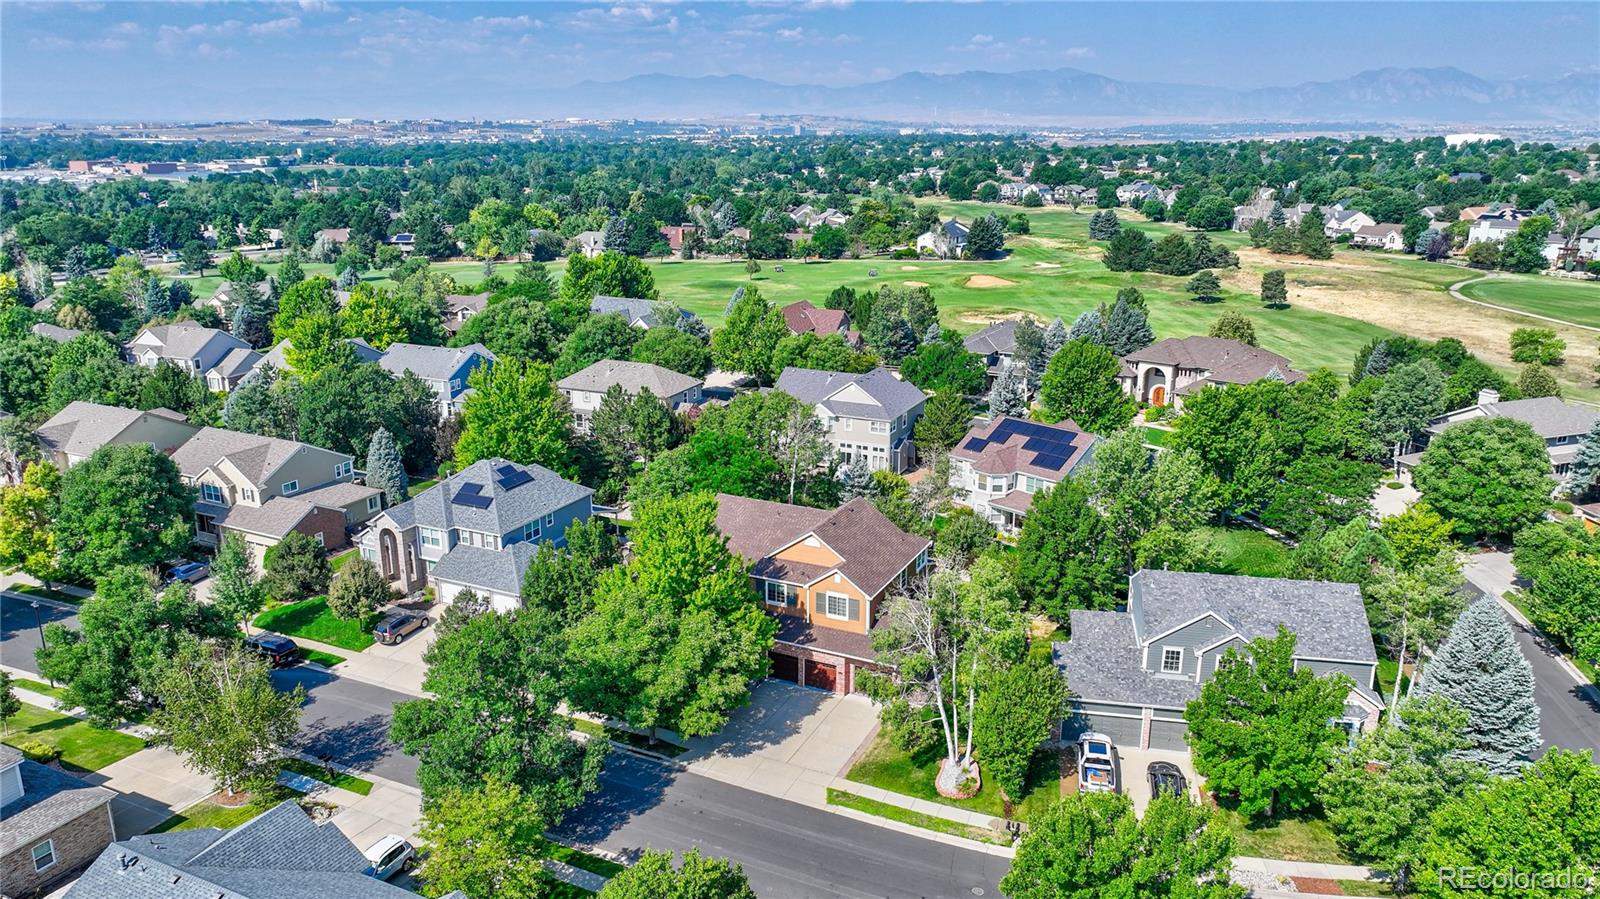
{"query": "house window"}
{"type": "Point", "coordinates": [321, 541]}
{"type": "Point", "coordinates": [880, 427]}
{"type": "Point", "coordinates": [211, 493]}
{"type": "Point", "coordinates": [248, 495]}
{"type": "Point", "coordinates": [342, 469]}
{"type": "Point", "coordinates": [44, 855]}
{"type": "Point", "coordinates": [1171, 660]}
{"type": "Point", "coordinates": [550, 520]}
{"type": "Point", "coordinates": [530, 531]}
{"type": "Point", "coordinates": [430, 537]}
{"type": "Point", "coordinates": [780, 594]}
{"type": "Point", "coordinates": [849, 424]}
{"type": "Point", "coordinates": [997, 485]}
{"type": "Point", "coordinates": [373, 502]}
{"type": "Point", "coordinates": [836, 606]}
{"type": "Point", "coordinates": [291, 487]}
{"type": "Point", "coordinates": [369, 554]}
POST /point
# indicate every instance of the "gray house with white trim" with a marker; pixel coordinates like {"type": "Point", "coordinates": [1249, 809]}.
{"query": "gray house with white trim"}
{"type": "Point", "coordinates": [1132, 673]}
{"type": "Point", "coordinates": [868, 416]}
{"type": "Point", "coordinates": [445, 369]}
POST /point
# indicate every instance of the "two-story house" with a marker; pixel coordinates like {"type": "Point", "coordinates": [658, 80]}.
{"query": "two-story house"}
{"type": "Point", "coordinates": [73, 434]}
{"type": "Point", "coordinates": [642, 314]}
{"type": "Point", "coordinates": [1168, 370]}
{"type": "Point", "coordinates": [217, 356]}
{"type": "Point", "coordinates": [476, 529]}
{"type": "Point", "coordinates": [54, 825]}
{"type": "Point", "coordinates": [460, 307]}
{"type": "Point", "coordinates": [1339, 221]}
{"type": "Point", "coordinates": [445, 369]}
{"type": "Point", "coordinates": [948, 240]}
{"type": "Point", "coordinates": [263, 488]}
{"type": "Point", "coordinates": [867, 416]}
{"type": "Point", "coordinates": [1562, 426]}
{"type": "Point", "coordinates": [997, 344]}
{"type": "Point", "coordinates": [825, 575]}
{"type": "Point", "coordinates": [1132, 673]}
{"type": "Point", "coordinates": [999, 466]}
{"type": "Point", "coordinates": [586, 388]}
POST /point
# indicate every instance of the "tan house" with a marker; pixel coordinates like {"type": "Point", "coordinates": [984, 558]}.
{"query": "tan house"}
{"type": "Point", "coordinates": [825, 575]}
{"type": "Point", "coordinates": [1168, 370]}
{"type": "Point", "coordinates": [218, 357]}
{"type": "Point", "coordinates": [263, 488]}
{"type": "Point", "coordinates": [54, 825]}
{"type": "Point", "coordinates": [73, 434]}
{"type": "Point", "coordinates": [586, 388]}
{"type": "Point", "coordinates": [1380, 237]}
{"type": "Point", "coordinates": [868, 417]}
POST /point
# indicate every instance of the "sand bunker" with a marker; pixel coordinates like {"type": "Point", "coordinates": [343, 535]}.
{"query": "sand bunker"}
{"type": "Point", "coordinates": [988, 281]}
{"type": "Point", "coordinates": [911, 268]}
{"type": "Point", "coordinates": [916, 283]}
{"type": "Point", "coordinates": [1047, 265]}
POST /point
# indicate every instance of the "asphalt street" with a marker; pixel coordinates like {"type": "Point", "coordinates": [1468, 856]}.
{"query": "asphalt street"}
{"type": "Point", "coordinates": [348, 720]}
{"type": "Point", "coordinates": [19, 630]}
{"type": "Point", "coordinates": [789, 851]}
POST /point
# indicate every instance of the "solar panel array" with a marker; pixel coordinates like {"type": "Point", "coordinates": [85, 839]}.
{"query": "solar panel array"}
{"type": "Point", "coordinates": [1051, 447]}
{"type": "Point", "coordinates": [471, 495]}
{"type": "Point", "coordinates": [509, 476]}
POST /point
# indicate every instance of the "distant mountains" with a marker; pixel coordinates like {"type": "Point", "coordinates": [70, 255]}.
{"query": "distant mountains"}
{"type": "Point", "coordinates": [1072, 96]}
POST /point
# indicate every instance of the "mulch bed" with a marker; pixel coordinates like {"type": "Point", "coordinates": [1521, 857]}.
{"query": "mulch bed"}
{"type": "Point", "coordinates": [1319, 885]}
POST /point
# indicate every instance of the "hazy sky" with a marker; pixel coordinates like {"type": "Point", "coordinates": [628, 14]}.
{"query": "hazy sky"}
{"type": "Point", "coordinates": [199, 60]}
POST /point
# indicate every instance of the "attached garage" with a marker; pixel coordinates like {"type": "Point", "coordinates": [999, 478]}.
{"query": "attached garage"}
{"type": "Point", "coordinates": [822, 675]}
{"type": "Point", "coordinates": [784, 667]}
{"type": "Point", "coordinates": [1168, 733]}
{"type": "Point", "coordinates": [1121, 724]}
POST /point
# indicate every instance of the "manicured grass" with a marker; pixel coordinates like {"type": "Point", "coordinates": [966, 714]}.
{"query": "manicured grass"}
{"type": "Point", "coordinates": [912, 774]}
{"type": "Point", "coordinates": [1365, 887]}
{"type": "Point", "coordinates": [83, 746]}
{"type": "Point", "coordinates": [638, 741]}
{"type": "Point", "coordinates": [1386, 672]}
{"type": "Point", "coordinates": [210, 813]}
{"type": "Point", "coordinates": [1157, 436]}
{"type": "Point", "coordinates": [47, 593]}
{"type": "Point", "coordinates": [1572, 301]}
{"type": "Point", "coordinates": [1246, 551]}
{"type": "Point", "coordinates": [332, 778]}
{"type": "Point", "coordinates": [338, 562]}
{"type": "Point", "coordinates": [325, 659]}
{"type": "Point", "coordinates": [419, 486]}
{"type": "Point", "coordinates": [313, 620]}
{"type": "Point", "coordinates": [577, 858]}
{"type": "Point", "coordinates": [39, 687]}
{"type": "Point", "coordinates": [1307, 839]}
{"type": "Point", "coordinates": [915, 819]}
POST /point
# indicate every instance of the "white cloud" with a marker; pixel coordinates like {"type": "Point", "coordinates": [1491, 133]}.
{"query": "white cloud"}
{"type": "Point", "coordinates": [523, 22]}
{"type": "Point", "coordinates": [276, 26]}
{"type": "Point", "coordinates": [51, 42]}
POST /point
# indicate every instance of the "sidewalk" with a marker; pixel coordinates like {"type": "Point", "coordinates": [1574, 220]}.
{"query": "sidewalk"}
{"type": "Point", "coordinates": [1496, 575]}
{"type": "Point", "coordinates": [391, 808]}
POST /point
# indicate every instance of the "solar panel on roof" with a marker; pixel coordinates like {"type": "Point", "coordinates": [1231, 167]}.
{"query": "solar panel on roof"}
{"type": "Point", "coordinates": [1051, 461]}
{"type": "Point", "coordinates": [471, 495]}
{"type": "Point", "coordinates": [508, 477]}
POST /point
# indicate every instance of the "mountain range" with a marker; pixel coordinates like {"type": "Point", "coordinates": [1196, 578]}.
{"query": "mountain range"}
{"type": "Point", "coordinates": [1068, 96]}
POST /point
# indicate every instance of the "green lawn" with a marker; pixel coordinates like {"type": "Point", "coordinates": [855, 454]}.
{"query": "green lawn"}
{"type": "Point", "coordinates": [338, 562]}
{"type": "Point", "coordinates": [210, 813]}
{"type": "Point", "coordinates": [915, 819]}
{"type": "Point", "coordinates": [39, 687]}
{"type": "Point", "coordinates": [1308, 839]}
{"type": "Point", "coordinates": [912, 775]}
{"type": "Point", "coordinates": [47, 593]}
{"type": "Point", "coordinates": [1573, 301]}
{"type": "Point", "coordinates": [1365, 887]}
{"type": "Point", "coordinates": [1246, 551]}
{"type": "Point", "coordinates": [313, 620]}
{"type": "Point", "coordinates": [83, 746]}
{"type": "Point", "coordinates": [577, 858]}
{"type": "Point", "coordinates": [332, 778]}
{"type": "Point", "coordinates": [1157, 436]}
{"type": "Point", "coordinates": [325, 659]}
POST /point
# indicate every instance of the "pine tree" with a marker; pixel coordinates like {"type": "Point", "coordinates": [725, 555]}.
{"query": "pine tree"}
{"type": "Point", "coordinates": [385, 470]}
{"type": "Point", "coordinates": [1089, 326]}
{"type": "Point", "coordinates": [157, 299]}
{"type": "Point", "coordinates": [615, 235]}
{"type": "Point", "coordinates": [348, 279]}
{"type": "Point", "coordinates": [1103, 225]}
{"type": "Point", "coordinates": [1276, 218]}
{"type": "Point", "coordinates": [1009, 395]}
{"type": "Point", "coordinates": [1055, 337]}
{"type": "Point", "coordinates": [1480, 668]}
{"type": "Point", "coordinates": [1260, 232]}
{"type": "Point", "coordinates": [1274, 290]}
{"type": "Point", "coordinates": [1584, 479]}
{"type": "Point", "coordinates": [290, 273]}
{"type": "Point", "coordinates": [986, 239]}
{"type": "Point", "coordinates": [1312, 241]}
{"type": "Point", "coordinates": [1127, 329]}
{"type": "Point", "coordinates": [1378, 362]}
{"type": "Point", "coordinates": [945, 422]}
{"type": "Point", "coordinates": [855, 479]}
{"type": "Point", "coordinates": [1280, 240]}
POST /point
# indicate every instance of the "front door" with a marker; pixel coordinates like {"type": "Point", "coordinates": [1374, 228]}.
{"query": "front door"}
{"type": "Point", "coordinates": [821, 676]}
{"type": "Point", "coordinates": [1158, 396]}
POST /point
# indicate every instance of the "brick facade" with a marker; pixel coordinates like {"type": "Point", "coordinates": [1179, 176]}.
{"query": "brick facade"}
{"type": "Point", "coordinates": [77, 843]}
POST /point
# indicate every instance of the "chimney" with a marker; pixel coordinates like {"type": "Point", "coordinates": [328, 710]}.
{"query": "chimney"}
{"type": "Point", "coordinates": [1488, 396]}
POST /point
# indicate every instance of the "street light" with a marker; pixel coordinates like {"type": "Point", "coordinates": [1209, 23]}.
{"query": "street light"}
{"type": "Point", "coordinates": [40, 625]}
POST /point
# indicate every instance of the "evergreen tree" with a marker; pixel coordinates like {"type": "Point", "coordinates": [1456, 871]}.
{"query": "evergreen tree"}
{"type": "Point", "coordinates": [1103, 225]}
{"type": "Point", "coordinates": [290, 273]}
{"type": "Point", "coordinates": [1378, 361]}
{"type": "Point", "coordinates": [157, 299]}
{"type": "Point", "coordinates": [1129, 251]}
{"type": "Point", "coordinates": [1310, 239]}
{"type": "Point", "coordinates": [1276, 217]}
{"type": "Point", "coordinates": [1259, 232]}
{"type": "Point", "coordinates": [1089, 325]}
{"type": "Point", "coordinates": [386, 470]}
{"type": "Point", "coordinates": [614, 236]}
{"type": "Point", "coordinates": [1127, 329]}
{"type": "Point", "coordinates": [1009, 394]}
{"type": "Point", "coordinates": [1536, 381]}
{"type": "Point", "coordinates": [1480, 668]}
{"type": "Point", "coordinates": [1280, 240]}
{"type": "Point", "coordinates": [855, 479]}
{"type": "Point", "coordinates": [348, 279]}
{"type": "Point", "coordinates": [1584, 478]}
{"type": "Point", "coordinates": [1204, 285]}
{"type": "Point", "coordinates": [1274, 290]}
{"type": "Point", "coordinates": [1055, 337]}
{"type": "Point", "coordinates": [986, 239]}
{"type": "Point", "coordinates": [945, 422]}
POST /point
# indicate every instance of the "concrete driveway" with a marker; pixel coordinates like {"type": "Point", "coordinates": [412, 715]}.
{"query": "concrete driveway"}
{"type": "Point", "coordinates": [153, 783]}
{"type": "Point", "coordinates": [1133, 764]}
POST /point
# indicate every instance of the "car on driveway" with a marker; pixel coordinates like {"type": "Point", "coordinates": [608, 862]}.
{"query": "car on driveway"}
{"type": "Point", "coordinates": [277, 649]}
{"type": "Point", "coordinates": [185, 570]}
{"type": "Point", "coordinates": [394, 627]}
{"type": "Point", "coordinates": [389, 856]}
{"type": "Point", "coordinates": [1165, 780]}
{"type": "Point", "coordinates": [1097, 764]}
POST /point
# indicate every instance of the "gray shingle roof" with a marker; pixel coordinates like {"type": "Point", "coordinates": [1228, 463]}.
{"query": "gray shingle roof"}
{"type": "Point", "coordinates": [255, 456]}
{"type": "Point", "coordinates": [237, 361]}
{"type": "Point", "coordinates": [1000, 337]}
{"type": "Point", "coordinates": [1549, 416]}
{"type": "Point", "coordinates": [80, 428]}
{"type": "Point", "coordinates": [633, 310]}
{"type": "Point", "coordinates": [186, 340]}
{"type": "Point", "coordinates": [891, 396]}
{"type": "Point", "coordinates": [544, 492]}
{"type": "Point", "coordinates": [55, 332]}
{"type": "Point", "coordinates": [49, 799]}
{"type": "Point", "coordinates": [487, 569]}
{"type": "Point", "coordinates": [278, 358]}
{"type": "Point", "coordinates": [274, 518]}
{"type": "Point", "coordinates": [434, 363]}
{"type": "Point", "coordinates": [632, 376]}
{"type": "Point", "coordinates": [1328, 618]}
{"type": "Point", "coordinates": [1101, 663]}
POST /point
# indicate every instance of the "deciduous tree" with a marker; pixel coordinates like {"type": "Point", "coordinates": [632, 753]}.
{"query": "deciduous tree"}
{"type": "Point", "coordinates": [221, 712]}
{"type": "Point", "coordinates": [699, 877]}
{"type": "Point", "coordinates": [515, 413]}
{"type": "Point", "coordinates": [1066, 555]}
{"type": "Point", "coordinates": [124, 505]}
{"type": "Point", "coordinates": [485, 840]}
{"type": "Point", "coordinates": [358, 591]}
{"type": "Point", "coordinates": [1081, 384]}
{"type": "Point", "coordinates": [1489, 476]}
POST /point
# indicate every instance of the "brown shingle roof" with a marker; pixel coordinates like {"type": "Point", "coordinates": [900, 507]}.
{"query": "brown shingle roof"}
{"type": "Point", "coordinates": [801, 317]}
{"type": "Point", "coordinates": [873, 549]}
{"type": "Point", "coordinates": [1226, 361]}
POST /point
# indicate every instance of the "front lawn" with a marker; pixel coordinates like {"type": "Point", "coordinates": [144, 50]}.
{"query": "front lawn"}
{"type": "Point", "coordinates": [915, 819]}
{"type": "Point", "coordinates": [1304, 839]}
{"type": "Point", "coordinates": [577, 858]}
{"type": "Point", "coordinates": [325, 659]}
{"type": "Point", "coordinates": [313, 620]}
{"type": "Point", "coordinates": [338, 562]}
{"type": "Point", "coordinates": [83, 746]}
{"type": "Point", "coordinates": [911, 774]}
{"type": "Point", "coordinates": [1246, 551]}
{"type": "Point", "coordinates": [38, 687]}
{"type": "Point", "coordinates": [47, 593]}
{"type": "Point", "coordinates": [211, 813]}
{"type": "Point", "coordinates": [328, 776]}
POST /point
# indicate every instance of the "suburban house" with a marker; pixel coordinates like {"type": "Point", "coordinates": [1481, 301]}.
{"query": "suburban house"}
{"type": "Point", "coordinates": [217, 356]}
{"type": "Point", "coordinates": [1589, 243]}
{"type": "Point", "coordinates": [445, 369]}
{"type": "Point", "coordinates": [229, 295]}
{"type": "Point", "coordinates": [674, 235]}
{"type": "Point", "coordinates": [998, 467]}
{"type": "Point", "coordinates": [278, 355]}
{"type": "Point", "coordinates": [1345, 221]}
{"type": "Point", "coordinates": [824, 574]}
{"type": "Point", "coordinates": [1382, 237]}
{"type": "Point", "coordinates": [1137, 193]}
{"type": "Point", "coordinates": [997, 344]}
{"type": "Point", "coordinates": [262, 488]}
{"type": "Point", "coordinates": [460, 307]}
{"type": "Point", "coordinates": [639, 313]}
{"type": "Point", "coordinates": [1168, 370]}
{"type": "Point", "coordinates": [1494, 227]}
{"type": "Point", "coordinates": [1132, 673]}
{"type": "Point", "coordinates": [1562, 426]}
{"type": "Point", "coordinates": [54, 332]}
{"type": "Point", "coordinates": [590, 243]}
{"type": "Point", "coordinates": [73, 434]}
{"type": "Point", "coordinates": [867, 416]}
{"type": "Point", "coordinates": [55, 824]}
{"type": "Point", "coordinates": [277, 854]}
{"type": "Point", "coordinates": [586, 388]}
{"type": "Point", "coordinates": [462, 532]}
{"type": "Point", "coordinates": [946, 241]}
{"type": "Point", "coordinates": [800, 317]}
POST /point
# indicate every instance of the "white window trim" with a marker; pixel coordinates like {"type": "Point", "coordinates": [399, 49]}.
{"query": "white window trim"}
{"type": "Point", "coordinates": [374, 503]}
{"type": "Point", "coordinates": [531, 531]}
{"type": "Point", "coordinates": [50, 846]}
{"type": "Point", "coordinates": [430, 537]}
{"type": "Point", "coordinates": [291, 487]}
{"type": "Point", "coordinates": [828, 613]}
{"type": "Point", "coordinates": [550, 520]}
{"type": "Point", "coordinates": [208, 491]}
{"type": "Point", "coordinates": [1164, 651]}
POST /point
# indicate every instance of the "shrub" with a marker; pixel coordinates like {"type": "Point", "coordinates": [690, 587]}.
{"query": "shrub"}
{"type": "Point", "coordinates": [43, 753]}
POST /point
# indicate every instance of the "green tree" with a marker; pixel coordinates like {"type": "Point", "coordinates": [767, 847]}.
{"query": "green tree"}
{"type": "Point", "coordinates": [561, 580]}
{"type": "Point", "coordinates": [485, 840]}
{"type": "Point", "coordinates": [1233, 325]}
{"type": "Point", "coordinates": [1138, 494]}
{"type": "Point", "coordinates": [515, 327]}
{"type": "Point", "coordinates": [598, 337]}
{"type": "Point", "coordinates": [747, 339]}
{"type": "Point", "coordinates": [1524, 250]}
{"type": "Point", "coordinates": [1274, 291]}
{"type": "Point", "coordinates": [358, 591]}
{"type": "Point", "coordinates": [1204, 285]}
{"type": "Point", "coordinates": [1127, 328]}
{"type": "Point", "coordinates": [826, 353]}
{"type": "Point", "coordinates": [1211, 213]}
{"type": "Point", "coordinates": [631, 429]}
{"type": "Point", "coordinates": [986, 238]}
{"type": "Point", "coordinates": [1536, 381]}
{"type": "Point", "coordinates": [515, 413]}
{"type": "Point", "coordinates": [1488, 475]}
{"type": "Point", "coordinates": [944, 365]}
{"type": "Point", "coordinates": [1259, 728]}
{"type": "Point", "coordinates": [386, 471]}
{"type": "Point", "coordinates": [608, 274]}
{"type": "Point", "coordinates": [944, 422]}
{"type": "Point", "coordinates": [10, 705]}
{"type": "Point", "coordinates": [713, 462]}
{"type": "Point", "coordinates": [677, 634]}
{"type": "Point", "coordinates": [297, 568]}
{"type": "Point", "coordinates": [194, 257]}
{"type": "Point", "coordinates": [27, 514]}
{"type": "Point", "coordinates": [1310, 239]}
{"type": "Point", "coordinates": [373, 314]}
{"type": "Point", "coordinates": [1128, 251]}
{"type": "Point", "coordinates": [1016, 709]}
{"type": "Point", "coordinates": [1081, 384]}
{"type": "Point", "coordinates": [1066, 555]}
{"type": "Point", "coordinates": [699, 877]}
{"type": "Point", "coordinates": [1480, 668]}
{"type": "Point", "coordinates": [1411, 397]}
{"type": "Point", "coordinates": [673, 349]}
{"type": "Point", "coordinates": [220, 711]}
{"type": "Point", "coordinates": [1091, 844]}
{"type": "Point", "coordinates": [124, 505]}
{"type": "Point", "coordinates": [235, 592]}
{"type": "Point", "coordinates": [1537, 346]}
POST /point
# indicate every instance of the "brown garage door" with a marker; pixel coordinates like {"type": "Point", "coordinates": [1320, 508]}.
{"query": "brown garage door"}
{"type": "Point", "coordinates": [823, 677]}
{"type": "Point", "coordinates": [785, 667]}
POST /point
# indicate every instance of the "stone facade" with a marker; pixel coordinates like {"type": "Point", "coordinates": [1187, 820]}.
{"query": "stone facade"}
{"type": "Point", "coordinates": [76, 844]}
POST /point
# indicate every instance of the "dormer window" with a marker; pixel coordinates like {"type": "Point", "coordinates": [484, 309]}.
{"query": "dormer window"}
{"type": "Point", "coordinates": [1171, 660]}
{"type": "Point", "coordinates": [211, 493]}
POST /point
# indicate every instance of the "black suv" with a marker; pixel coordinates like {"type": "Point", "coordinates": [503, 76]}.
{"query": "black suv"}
{"type": "Point", "coordinates": [393, 629]}
{"type": "Point", "coordinates": [275, 648]}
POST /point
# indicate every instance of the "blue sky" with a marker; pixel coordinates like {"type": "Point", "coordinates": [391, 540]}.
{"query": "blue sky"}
{"type": "Point", "coordinates": [199, 60]}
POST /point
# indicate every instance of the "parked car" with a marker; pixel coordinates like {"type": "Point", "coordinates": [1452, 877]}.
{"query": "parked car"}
{"type": "Point", "coordinates": [275, 648]}
{"type": "Point", "coordinates": [389, 856]}
{"type": "Point", "coordinates": [185, 570]}
{"type": "Point", "coordinates": [397, 625]}
{"type": "Point", "coordinates": [1166, 780]}
{"type": "Point", "coordinates": [1097, 764]}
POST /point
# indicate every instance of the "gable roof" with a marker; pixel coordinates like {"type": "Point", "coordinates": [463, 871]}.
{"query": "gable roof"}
{"type": "Point", "coordinates": [891, 396]}
{"type": "Point", "coordinates": [433, 363]}
{"type": "Point", "coordinates": [1225, 361]}
{"type": "Point", "coordinates": [1549, 416]}
{"type": "Point", "coordinates": [54, 332]}
{"type": "Point", "coordinates": [1379, 231]}
{"type": "Point", "coordinates": [631, 376]}
{"type": "Point", "coordinates": [482, 568]}
{"type": "Point", "coordinates": [80, 427]}
{"type": "Point", "coordinates": [49, 799]}
{"type": "Point", "coordinates": [255, 456]}
{"type": "Point", "coordinates": [1009, 445]}
{"type": "Point", "coordinates": [511, 496]}
{"type": "Point", "coordinates": [278, 356]}
{"type": "Point", "coordinates": [183, 340]}
{"type": "Point", "coordinates": [873, 549]}
{"type": "Point", "coordinates": [236, 362]}
{"type": "Point", "coordinates": [1328, 618]}
{"type": "Point", "coordinates": [1000, 337]}
{"type": "Point", "coordinates": [955, 230]}
{"type": "Point", "coordinates": [634, 310]}
{"type": "Point", "coordinates": [801, 317]}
